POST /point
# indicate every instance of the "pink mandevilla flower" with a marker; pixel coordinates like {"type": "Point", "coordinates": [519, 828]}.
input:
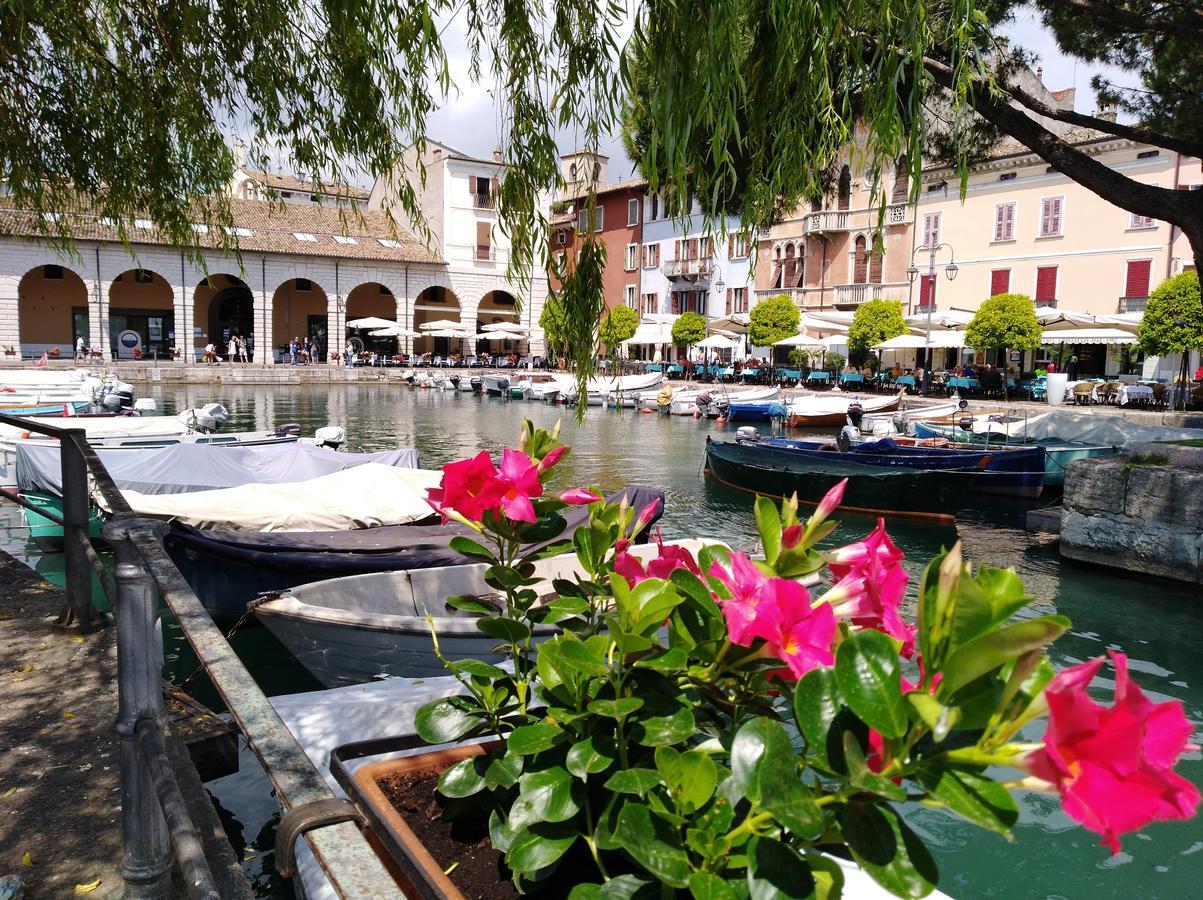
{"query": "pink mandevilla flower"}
{"type": "Point", "coordinates": [791, 536]}
{"type": "Point", "coordinates": [1113, 767]}
{"type": "Point", "coordinates": [746, 621]}
{"type": "Point", "coordinates": [518, 481]}
{"type": "Point", "coordinates": [469, 487]}
{"type": "Point", "coordinates": [579, 497]}
{"type": "Point", "coordinates": [551, 458]}
{"type": "Point", "coordinates": [830, 501]}
{"type": "Point", "coordinates": [669, 557]}
{"type": "Point", "coordinates": [801, 635]}
{"type": "Point", "coordinates": [869, 586]}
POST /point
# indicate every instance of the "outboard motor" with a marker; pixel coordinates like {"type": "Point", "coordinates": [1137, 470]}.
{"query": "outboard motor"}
{"type": "Point", "coordinates": [208, 418]}
{"type": "Point", "coordinates": [856, 413]}
{"type": "Point", "coordinates": [477, 384]}
{"type": "Point", "coordinates": [331, 436]}
{"type": "Point", "coordinates": [145, 406]}
{"type": "Point", "coordinates": [844, 439]}
{"type": "Point", "coordinates": [747, 434]}
{"type": "Point", "coordinates": [900, 422]}
{"type": "Point", "coordinates": [120, 395]}
{"type": "Point", "coordinates": [288, 429]}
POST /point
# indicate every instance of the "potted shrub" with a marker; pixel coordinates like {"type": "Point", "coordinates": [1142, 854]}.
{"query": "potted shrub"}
{"type": "Point", "coordinates": [723, 727]}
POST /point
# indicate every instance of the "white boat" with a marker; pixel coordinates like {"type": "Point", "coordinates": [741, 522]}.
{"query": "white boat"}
{"type": "Point", "coordinates": [900, 420]}
{"type": "Point", "coordinates": [535, 386]}
{"type": "Point", "coordinates": [831, 410]}
{"type": "Point", "coordinates": [354, 629]}
{"type": "Point", "coordinates": [495, 384]}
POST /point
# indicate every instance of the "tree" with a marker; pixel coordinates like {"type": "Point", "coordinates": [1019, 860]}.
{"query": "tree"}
{"type": "Point", "coordinates": [554, 323]}
{"type": "Point", "coordinates": [772, 320]}
{"type": "Point", "coordinates": [873, 322]}
{"type": "Point", "coordinates": [689, 329]}
{"type": "Point", "coordinates": [1005, 322]}
{"type": "Point", "coordinates": [618, 325]}
{"type": "Point", "coordinates": [1173, 319]}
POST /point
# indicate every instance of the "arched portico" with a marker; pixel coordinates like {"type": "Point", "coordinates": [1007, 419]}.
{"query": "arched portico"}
{"type": "Point", "coordinates": [52, 311]}
{"type": "Point", "coordinates": [223, 307]}
{"type": "Point", "coordinates": [141, 315]}
{"type": "Point", "coordinates": [299, 310]}
{"type": "Point", "coordinates": [433, 304]}
{"type": "Point", "coordinates": [496, 308]}
{"type": "Point", "coordinates": [376, 300]}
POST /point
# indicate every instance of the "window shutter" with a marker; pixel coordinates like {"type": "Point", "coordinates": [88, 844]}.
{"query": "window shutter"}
{"type": "Point", "coordinates": [927, 290]}
{"type": "Point", "coordinates": [1050, 216]}
{"type": "Point", "coordinates": [1056, 215]}
{"type": "Point", "coordinates": [1137, 282]}
{"type": "Point", "coordinates": [1046, 284]}
{"type": "Point", "coordinates": [676, 302]}
{"type": "Point", "coordinates": [730, 300]}
{"type": "Point", "coordinates": [931, 229]}
{"type": "Point", "coordinates": [1004, 222]}
{"type": "Point", "coordinates": [494, 187]}
{"type": "Point", "coordinates": [1000, 281]}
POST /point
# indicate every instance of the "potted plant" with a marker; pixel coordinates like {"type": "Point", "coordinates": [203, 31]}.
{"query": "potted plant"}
{"type": "Point", "coordinates": [723, 727]}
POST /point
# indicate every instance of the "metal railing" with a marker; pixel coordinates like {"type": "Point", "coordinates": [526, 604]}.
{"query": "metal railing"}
{"type": "Point", "coordinates": [1133, 304]}
{"type": "Point", "coordinates": [155, 823]}
{"type": "Point", "coordinates": [685, 268]}
{"type": "Point", "coordinates": [855, 294]}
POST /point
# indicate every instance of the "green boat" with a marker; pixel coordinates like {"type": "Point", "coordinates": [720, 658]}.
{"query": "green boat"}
{"type": "Point", "coordinates": [931, 494]}
{"type": "Point", "coordinates": [48, 534]}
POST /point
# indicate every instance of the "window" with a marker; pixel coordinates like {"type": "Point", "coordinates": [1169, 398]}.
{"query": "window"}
{"type": "Point", "coordinates": [631, 258]}
{"type": "Point", "coordinates": [931, 229]}
{"type": "Point", "coordinates": [737, 300]}
{"type": "Point", "coordinates": [927, 291]}
{"type": "Point", "coordinates": [1046, 285]}
{"type": "Point", "coordinates": [1008, 176]}
{"type": "Point", "coordinates": [143, 223]}
{"type": "Point", "coordinates": [484, 249]}
{"type": "Point", "coordinates": [238, 231]}
{"type": "Point", "coordinates": [199, 229]}
{"type": "Point", "coordinates": [860, 261]}
{"type": "Point", "coordinates": [629, 296]}
{"type": "Point", "coordinates": [52, 273]}
{"type": "Point", "coordinates": [51, 216]}
{"type": "Point", "coordinates": [1050, 217]}
{"type": "Point", "coordinates": [109, 222]}
{"type": "Point", "coordinates": [633, 211]}
{"type": "Point", "coordinates": [343, 239]}
{"type": "Point", "coordinates": [1148, 154]}
{"type": "Point", "coordinates": [304, 236]}
{"type": "Point", "coordinates": [1136, 283]}
{"type": "Point", "coordinates": [1004, 222]}
{"type": "Point", "coordinates": [582, 220]}
{"type": "Point", "coordinates": [651, 303]}
{"type": "Point", "coordinates": [737, 245]}
{"type": "Point", "coordinates": [482, 191]}
{"type": "Point", "coordinates": [1135, 221]}
{"type": "Point", "coordinates": [561, 238]}
{"type": "Point", "coordinates": [651, 256]}
{"type": "Point", "coordinates": [287, 195]}
{"type": "Point", "coordinates": [655, 207]}
{"type": "Point", "coordinates": [1000, 281]}
{"type": "Point", "coordinates": [390, 244]}
{"type": "Point", "coordinates": [844, 190]}
{"type": "Point", "coordinates": [304, 284]}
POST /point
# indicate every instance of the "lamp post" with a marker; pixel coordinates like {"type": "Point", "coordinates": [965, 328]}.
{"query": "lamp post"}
{"type": "Point", "coordinates": [912, 272]}
{"type": "Point", "coordinates": [719, 286]}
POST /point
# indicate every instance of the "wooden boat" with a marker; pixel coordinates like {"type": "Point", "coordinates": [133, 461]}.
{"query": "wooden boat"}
{"type": "Point", "coordinates": [831, 410]}
{"type": "Point", "coordinates": [755, 411]}
{"type": "Point", "coordinates": [760, 468]}
{"type": "Point", "coordinates": [359, 628]}
{"type": "Point", "coordinates": [886, 424]}
{"type": "Point", "coordinates": [228, 568]}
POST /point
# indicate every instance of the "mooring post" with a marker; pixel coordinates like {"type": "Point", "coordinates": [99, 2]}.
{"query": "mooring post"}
{"type": "Point", "coordinates": [80, 613]}
{"type": "Point", "coordinates": [146, 863]}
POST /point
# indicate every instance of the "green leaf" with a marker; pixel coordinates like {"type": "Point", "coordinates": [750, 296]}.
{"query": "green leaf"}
{"type": "Point", "coordinates": [479, 669]}
{"type": "Point", "coordinates": [469, 547]}
{"type": "Point", "coordinates": [768, 523]}
{"type": "Point", "coordinates": [993, 649]}
{"type": "Point", "coordinates": [504, 629]}
{"type": "Point", "coordinates": [888, 850]}
{"type": "Point", "coordinates": [652, 600]}
{"type": "Point", "coordinates": [470, 603]}
{"type": "Point", "coordinates": [572, 654]}
{"type": "Point", "coordinates": [828, 876]}
{"type": "Point", "coordinates": [982, 801]}
{"type": "Point", "coordinates": [535, 849]}
{"type": "Point", "coordinates": [590, 756]}
{"type": "Point", "coordinates": [633, 781]}
{"type": "Point", "coordinates": [816, 704]}
{"type": "Point", "coordinates": [669, 661]}
{"type": "Point", "coordinates": [464, 778]}
{"type": "Point", "coordinates": [866, 669]}
{"type": "Point", "coordinates": [652, 731]}
{"type": "Point", "coordinates": [936, 716]}
{"type": "Point", "coordinates": [747, 755]}
{"type": "Point", "coordinates": [690, 776]}
{"type": "Point", "coordinates": [985, 601]}
{"type": "Point", "coordinates": [616, 709]}
{"type": "Point", "coordinates": [549, 793]}
{"type": "Point", "coordinates": [708, 886]}
{"type": "Point", "coordinates": [862, 777]}
{"type": "Point", "coordinates": [625, 887]}
{"type": "Point", "coordinates": [441, 722]}
{"type": "Point", "coordinates": [503, 771]}
{"type": "Point", "coordinates": [528, 739]}
{"type": "Point", "coordinates": [696, 594]}
{"type": "Point", "coordinates": [562, 608]}
{"type": "Point", "coordinates": [777, 872]}
{"type": "Point", "coordinates": [652, 844]}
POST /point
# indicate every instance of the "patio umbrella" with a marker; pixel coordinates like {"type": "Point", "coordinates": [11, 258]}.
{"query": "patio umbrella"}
{"type": "Point", "coordinates": [717, 342]}
{"type": "Point", "coordinates": [802, 340]}
{"type": "Point", "coordinates": [505, 326]}
{"type": "Point", "coordinates": [395, 330]}
{"type": "Point", "coordinates": [501, 336]}
{"type": "Point", "coordinates": [449, 333]}
{"type": "Point", "coordinates": [442, 325]}
{"type": "Point", "coordinates": [371, 322]}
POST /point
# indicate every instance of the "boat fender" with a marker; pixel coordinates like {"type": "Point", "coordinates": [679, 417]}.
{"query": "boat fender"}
{"type": "Point", "coordinates": [331, 436]}
{"type": "Point", "coordinates": [746, 434]}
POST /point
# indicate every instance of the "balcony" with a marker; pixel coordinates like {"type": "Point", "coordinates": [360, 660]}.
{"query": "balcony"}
{"type": "Point", "coordinates": [854, 294]}
{"type": "Point", "coordinates": [690, 269]}
{"type": "Point", "coordinates": [826, 221]}
{"type": "Point", "coordinates": [484, 201]}
{"type": "Point", "coordinates": [836, 220]}
{"type": "Point", "coordinates": [1046, 304]}
{"type": "Point", "coordinates": [484, 252]}
{"type": "Point", "coordinates": [1133, 304]}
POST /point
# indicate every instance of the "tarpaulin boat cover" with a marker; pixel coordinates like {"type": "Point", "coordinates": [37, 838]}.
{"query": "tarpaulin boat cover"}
{"type": "Point", "coordinates": [184, 468]}
{"type": "Point", "coordinates": [105, 426]}
{"type": "Point", "coordinates": [361, 497]}
{"type": "Point", "coordinates": [1086, 428]}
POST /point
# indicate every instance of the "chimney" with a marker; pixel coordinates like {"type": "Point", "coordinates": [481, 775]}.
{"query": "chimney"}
{"type": "Point", "coordinates": [1040, 74]}
{"type": "Point", "coordinates": [1105, 111]}
{"type": "Point", "coordinates": [497, 154]}
{"type": "Point", "coordinates": [239, 153]}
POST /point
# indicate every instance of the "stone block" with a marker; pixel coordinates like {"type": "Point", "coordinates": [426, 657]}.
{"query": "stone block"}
{"type": "Point", "coordinates": [1095, 485]}
{"type": "Point", "coordinates": [1166, 494]}
{"type": "Point", "coordinates": [1120, 542]}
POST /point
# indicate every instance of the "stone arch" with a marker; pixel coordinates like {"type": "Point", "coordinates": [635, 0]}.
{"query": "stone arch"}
{"type": "Point", "coordinates": [222, 307]}
{"type": "Point", "coordinates": [299, 311]}
{"type": "Point", "coordinates": [431, 305]}
{"type": "Point", "coordinates": [52, 311]}
{"type": "Point", "coordinates": [143, 302]}
{"type": "Point", "coordinates": [495, 308]}
{"type": "Point", "coordinates": [371, 298]}
{"type": "Point", "coordinates": [844, 191]}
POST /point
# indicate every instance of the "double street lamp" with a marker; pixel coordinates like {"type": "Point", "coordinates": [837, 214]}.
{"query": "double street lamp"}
{"type": "Point", "coordinates": [950, 269]}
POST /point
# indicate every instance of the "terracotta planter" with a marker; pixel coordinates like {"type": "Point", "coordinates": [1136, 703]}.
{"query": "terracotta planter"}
{"type": "Point", "coordinates": [416, 871]}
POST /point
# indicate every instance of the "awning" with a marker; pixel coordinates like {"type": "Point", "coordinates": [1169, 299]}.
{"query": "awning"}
{"type": "Point", "coordinates": [937, 339]}
{"type": "Point", "coordinates": [1088, 336]}
{"type": "Point", "coordinates": [371, 322]}
{"type": "Point", "coordinates": [651, 333]}
{"type": "Point", "coordinates": [802, 340]}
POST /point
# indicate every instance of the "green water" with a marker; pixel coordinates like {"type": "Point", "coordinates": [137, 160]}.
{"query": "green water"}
{"type": "Point", "coordinates": [1156, 622]}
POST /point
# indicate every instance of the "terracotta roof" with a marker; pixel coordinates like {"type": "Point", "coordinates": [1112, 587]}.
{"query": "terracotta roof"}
{"type": "Point", "coordinates": [614, 188]}
{"type": "Point", "coordinates": [273, 229]}
{"type": "Point", "coordinates": [452, 153]}
{"type": "Point", "coordinates": [1061, 94]}
{"type": "Point", "coordinates": [291, 183]}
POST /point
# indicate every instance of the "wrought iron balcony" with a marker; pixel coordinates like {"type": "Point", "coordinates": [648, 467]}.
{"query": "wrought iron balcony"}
{"type": "Point", "coordinates": [1133, 304]}
{"type": "Point", "coordinates": [484, 201]}
{"type": "Point", "coordinates": [686, 268]}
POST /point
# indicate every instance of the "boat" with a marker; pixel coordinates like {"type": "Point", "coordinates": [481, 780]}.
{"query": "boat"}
{"type": "Point", "coordinates": [229, 568]}
{"type": "Point", "coordinates": [180, 469]}
{"type": "Point", "coordinates": [831, 410]}
{"type": "Point", "coordinates": [899, 421]}
{"type": "Point", "coordinates": [534, 386]}
{"type": "Point", "coordinates": [759, 468]}
{"type": "Point", "coordinates": [495, 385]}
{"type": "Point", "coordinates": [713, 403]}
{"type": "Point", "coordinates": [363, 627]}
{"type": "Point", "coordinates": [754, 411]}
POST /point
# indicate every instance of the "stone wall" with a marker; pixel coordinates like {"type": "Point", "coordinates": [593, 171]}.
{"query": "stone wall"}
{"type": "Point", "coordinates": [1141, 518]}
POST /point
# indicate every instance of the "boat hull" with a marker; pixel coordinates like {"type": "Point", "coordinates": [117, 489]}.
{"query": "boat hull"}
{"type": "Point", "coordinates": [837, 418]}
{"type": "Point", "coordinates": [755, 412]}
{"type": "Point", "coordinates": [1057, 453]}
{"type": "Point", "coordinates": [48, 534]}
{"type": "Point", "coordinates": [933, 495]}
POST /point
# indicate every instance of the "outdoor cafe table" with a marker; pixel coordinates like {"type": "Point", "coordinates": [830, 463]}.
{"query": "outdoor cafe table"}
{"type": "Point", "coordinates": [1133, 393]}
{"type": "Point", "coordinates": [961, 382]}
{"type": "Point", "coordinates": [822, 377]}
{"type": "Point", "coordinates": [852, 378]}
{"type": "Point", "coordinates": [676, 370]}
{"type": "Point", "coordinates": [794, 375]}
{"type": "Point", "coordinates": [908, 380]}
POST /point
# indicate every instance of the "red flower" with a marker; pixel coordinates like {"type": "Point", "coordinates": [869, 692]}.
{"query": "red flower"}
{"type": "Point", "coordinates": [791, 536]}
{"type": "Point", "coordinates": [1113, 767]}
{"type": "Point", "coordinates": [551, 458]}
{"type": "Point", "coordinates": [518, 481]}
{"type": "Point", "coordinates": [870, 584]}
{"type": "Point", "coordinates": [469, 487]}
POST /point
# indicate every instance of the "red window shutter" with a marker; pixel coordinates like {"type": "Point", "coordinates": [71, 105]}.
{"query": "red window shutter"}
{"type": "Point", "coordinates": [1000, 281]}
{"type": "Point", "coordinates": [1137, 282]}
{"type": "Point", "coordinates": [927, 290]}
{"type": "Point", "coordinates": [730, 300]}
{"type": "Point", "coordinates": [1046, 283]}
{"type": "Point", "coordinates": [731, 244]}
{"type": "Point", "coordinates": [676, 302]}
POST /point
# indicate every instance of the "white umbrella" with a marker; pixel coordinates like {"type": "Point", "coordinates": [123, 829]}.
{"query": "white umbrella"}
{"type": "Point", "coordinates": [505, 326]}
{"type": "Point", "coordinates": [801, 340]}
{"type": "Point", "coordinates": [717, 342]}
{"type": "Point", "coordinates": [1088, 336]}
{"type": "Point", "coordinates": [448, 333]}
{"type": "Point", "coordinates": [395, 331]}
{"type": "Point", "coordinates": [371, 322]}
{"type": "Point", "coordinates": [501, 336]}
{"type": "Point", "coordinates": [934, 338]}
{"type": "Point", "coordinates": [441, 325]}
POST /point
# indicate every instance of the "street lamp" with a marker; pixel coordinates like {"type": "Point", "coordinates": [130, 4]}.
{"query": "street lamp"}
{"type": "Point", "coordinates": [912, 272]}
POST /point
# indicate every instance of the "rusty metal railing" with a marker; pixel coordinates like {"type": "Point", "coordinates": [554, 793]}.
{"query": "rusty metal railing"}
{"type": "Point", "coordinates": [155, 823]}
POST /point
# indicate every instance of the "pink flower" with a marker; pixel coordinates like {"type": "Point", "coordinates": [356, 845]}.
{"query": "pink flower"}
{"type": "Point", "coordinates": [870, 584]}
{"type": "Point", "coordinates": [1113, 767]}
{"type": "Point", "coordinates": [830, 501]}
{"type": "Point", "coordinates": [791, 536]}
{"type": "Point", "coordinates": [579, 497]}
{"type": "Point", "coordinates": [746, 620]}
{"type": "Point", "coordinates": [646, 516]}
{"type": "Point", "coordinates": [518, 481]}
{"type": "Point", "coordinates": [669, 557]}
{"type": "Point", "coordinates": [799, 635]}
{"type": "Point", "coordinates": [551, 458]}
{"type": "Point", "coordinates": [469, 487]}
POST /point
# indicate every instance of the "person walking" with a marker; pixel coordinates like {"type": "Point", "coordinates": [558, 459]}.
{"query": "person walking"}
{"type": "Point", "coordinates": [314, 350]}
{"type": "Point", "coordinates": [79, 348]}
{"type": "Point", "coordinates": [243, 356]}
{"type": "Point", "coordinates": [292, 352]}
{"type": "Point", "coordinates": [232, 349]}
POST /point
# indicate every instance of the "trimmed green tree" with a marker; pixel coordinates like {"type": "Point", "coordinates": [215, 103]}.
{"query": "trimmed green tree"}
{"type": "Point", "coordinates": [553, 321]}
{"type": "Point", "coordinates": [873, 322]}
{"type": "Point", "coordinates": [618, 325]}
{"type": "Point", "coordinates": [1005, 322]}
{"type": "Point", "coordinates": [772, 320]}
{"type": "Point", "coordinates": [1173, 319]}
{"type": "Point", "coordinates": [689, 329]}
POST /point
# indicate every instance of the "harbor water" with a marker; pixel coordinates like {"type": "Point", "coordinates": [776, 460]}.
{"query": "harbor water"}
{"type": "Point", "coordinates": [1157, 623]}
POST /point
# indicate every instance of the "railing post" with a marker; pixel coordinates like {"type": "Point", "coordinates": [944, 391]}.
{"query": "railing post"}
{"type": "Point", "coordinates": [146, 863]}
{"type": "Point", "coordinates": [80, 614]}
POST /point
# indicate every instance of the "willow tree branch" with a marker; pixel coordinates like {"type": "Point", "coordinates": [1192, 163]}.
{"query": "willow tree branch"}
{"type": "Point", "coordinates": [1116, 15]}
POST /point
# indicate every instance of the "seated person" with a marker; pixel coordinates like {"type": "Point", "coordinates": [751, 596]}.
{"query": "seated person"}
{"type": "Point", "coordinates": [991, 379]}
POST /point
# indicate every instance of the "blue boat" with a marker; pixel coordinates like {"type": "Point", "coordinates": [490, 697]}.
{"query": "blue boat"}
{"type": "Point", "coordinates": [1013, 471]}
{"type": "Point", "coordinates": [756, 411]}
{"type": "Point", "coordinates": [66, 408]}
